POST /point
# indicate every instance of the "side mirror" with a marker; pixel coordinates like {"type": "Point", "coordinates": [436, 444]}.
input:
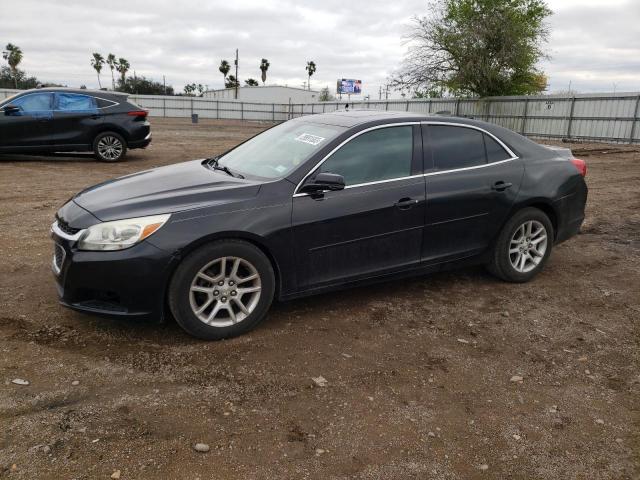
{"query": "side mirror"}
{"type": "Point", "coordinates": [324, 181]}
{"type": "Point", "coordinates": [10, 109]}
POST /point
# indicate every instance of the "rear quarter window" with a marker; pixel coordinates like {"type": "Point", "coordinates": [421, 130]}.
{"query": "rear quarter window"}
{"type": "Point", "coordinates": [495, 151]}
{"type": "Point", "coordinates": [70, 102]}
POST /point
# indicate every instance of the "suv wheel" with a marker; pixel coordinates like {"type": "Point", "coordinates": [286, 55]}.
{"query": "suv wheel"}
{"type": "Point", "coordinates": [109, 147]}
{"type": "Point", "coordinates": [523, 246]}
{"type": "Point", "coordinates": [222, 290]}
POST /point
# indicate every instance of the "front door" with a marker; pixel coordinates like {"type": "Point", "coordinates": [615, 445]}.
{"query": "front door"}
{"type": "Point", "coordinates": [372, 226]}
{"type": "Point", "coordinates": [471, 188]}
{"type": "Point", "coordinates": [30, 126]}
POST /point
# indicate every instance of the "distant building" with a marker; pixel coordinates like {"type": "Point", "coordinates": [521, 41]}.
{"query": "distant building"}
{"type": "Point", "coordinates": [266, 94]}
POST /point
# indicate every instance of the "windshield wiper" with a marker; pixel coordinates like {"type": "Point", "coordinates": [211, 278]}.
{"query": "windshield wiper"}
{"type": "Point", "coordinates": [213, 163]}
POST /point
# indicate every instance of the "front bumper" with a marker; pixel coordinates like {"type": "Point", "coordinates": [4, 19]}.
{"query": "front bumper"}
{"type": "Point", "coordinates": [125, 283]}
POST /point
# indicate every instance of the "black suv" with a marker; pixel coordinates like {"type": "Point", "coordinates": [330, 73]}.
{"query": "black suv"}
{"type": "Point", "coordinates": [48, 120]}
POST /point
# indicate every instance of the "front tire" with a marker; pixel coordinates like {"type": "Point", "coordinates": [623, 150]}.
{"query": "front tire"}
{"type": "Point", "coordinates": [109, 147]}
{"type": "Point", "coordinates": [523, 246]}
{"type": "Point", "coordinates": [222, 290]}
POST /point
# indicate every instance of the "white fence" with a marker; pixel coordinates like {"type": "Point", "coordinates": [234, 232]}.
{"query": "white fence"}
{"type": "Point", "coordinates": [606, 118]}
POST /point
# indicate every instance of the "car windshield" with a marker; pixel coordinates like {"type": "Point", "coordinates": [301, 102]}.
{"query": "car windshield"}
{"type": "Point", "coordinates": [8, 100]}
{"type": "Point", "coordinates": [277, 151]}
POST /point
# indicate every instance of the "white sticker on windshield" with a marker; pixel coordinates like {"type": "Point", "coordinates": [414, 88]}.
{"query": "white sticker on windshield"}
{"type": "Point", "coordinates": [310, 139]}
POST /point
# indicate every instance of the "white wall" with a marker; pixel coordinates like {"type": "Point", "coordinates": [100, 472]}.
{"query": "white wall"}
{"type": "Point", "coordinates": [266, 94]}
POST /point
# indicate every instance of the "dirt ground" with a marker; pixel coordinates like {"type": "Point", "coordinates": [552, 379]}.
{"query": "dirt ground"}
{"type": "Point", "coordinates": [418, 371]}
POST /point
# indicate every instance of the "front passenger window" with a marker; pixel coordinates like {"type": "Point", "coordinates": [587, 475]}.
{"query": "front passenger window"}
{"type": "Point", "coordinates": [380, 154]}
{"type": "Point", "coordinates": [34, 102]}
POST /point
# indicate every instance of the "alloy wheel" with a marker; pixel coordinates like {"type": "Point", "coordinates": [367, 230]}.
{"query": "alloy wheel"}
{"type": "Point", "coordinates": [527, 246]}
{"type": "Point", "coordinates": [110, 147]}
{"type": "Point", "coordinates": [225, 291]}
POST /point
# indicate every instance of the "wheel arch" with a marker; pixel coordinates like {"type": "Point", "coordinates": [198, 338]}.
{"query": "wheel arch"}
{"type": "Point", "coordinates": [255, 240]}
{"type": "Point", "coordinates": [111, 128]}
{"type": "Point", "coordinates": [545, 206]}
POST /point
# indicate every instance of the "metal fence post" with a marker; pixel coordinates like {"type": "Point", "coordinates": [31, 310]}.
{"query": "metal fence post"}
{"type": "Point", "coordinates": [429, 106]}
{"type": "Point", "coordinates": [241, 110]}
{"type": "Point", "coordinates": [523, 125]}
{"type": "Point", "coordinates": [487, 110]}
{"type": "Point", "coordinates": [164, 107]}
{"type": "Point", "coordinates": [192, 106]}
{"type": "Point", "coordinates": [634, 122]}
{"type": "Point", "coordinates": [573, 104]}
{"type": "Point", "coordinates": [217, 109]}
{"type": "Point", "coordinates": [273, 112]}
{"type": "Point", "coordinates": [324, 107]}
{"type": "Point", "coordinates": [407, 107]}
{"type": "Point", "coordinates": [386, 105]}
{"type": "Point", "coordinates": [457, 107]}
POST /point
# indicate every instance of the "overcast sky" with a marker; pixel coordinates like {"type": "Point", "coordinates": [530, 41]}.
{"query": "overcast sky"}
{"type": "Point", "coordinates": [594, 44]}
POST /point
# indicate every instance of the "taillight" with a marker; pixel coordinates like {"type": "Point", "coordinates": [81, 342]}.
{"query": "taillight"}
{"type": "Point", "coordinates": [138, 113]}
{"type": "Point", "coordinates": [580, 165]}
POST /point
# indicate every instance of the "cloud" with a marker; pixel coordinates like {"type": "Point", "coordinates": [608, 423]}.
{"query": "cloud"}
{"type": "Point", "coordinates": [593, 45]}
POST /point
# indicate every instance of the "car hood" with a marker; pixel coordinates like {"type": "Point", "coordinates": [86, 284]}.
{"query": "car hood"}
{"type": "Point", "coordinates": [169, 189]}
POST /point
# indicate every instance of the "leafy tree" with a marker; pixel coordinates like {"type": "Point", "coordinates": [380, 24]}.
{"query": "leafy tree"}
{"type": "Point", "coordinates": [477, 47]}
{"type": "Point", "coordinates": [189, 89]}
{"type": "Point", "coordinates": [264, 66]}
{"type": "Point", "coordinates": [144, 86]}
{"type": "Point", "coordinates": [111, 61]}
{"type": "Point", "coordinates": [97, 61]}
{"type": "Point", "coordinates": [122, 67]}
{"type": "Point", "coordinates": [224, 68]}
{"type": "Point", "coordinates": [251, 82]}
{"type": "Point", "coordinates": [200, 89]}
{"type": "Point", "coordinates": [311, 69]}
{"type": "Point", "coordinates": [325, 95]}
{"type": "Point", "coordinates": [9, 78]}
{"type": "Point", "coordinates": [13, 55]}
{"type": "Point", "coordinates": [231, 82]}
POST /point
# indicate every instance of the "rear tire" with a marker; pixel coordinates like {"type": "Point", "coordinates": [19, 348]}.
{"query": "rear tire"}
{"type": "Point", "coordinates": [109, 147]}
{"type": "Point", "coordinates": [523, 246]}
{"type": "Point", "coordinates": [222, 290]}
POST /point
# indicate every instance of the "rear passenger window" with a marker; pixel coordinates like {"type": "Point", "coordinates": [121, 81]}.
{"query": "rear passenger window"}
{"type": "Point", "coordinates": [69, 102]}
{"type": "Point", "coordinates": [456, 147]}
{"type": "Point", "coordinates": [495, 152]}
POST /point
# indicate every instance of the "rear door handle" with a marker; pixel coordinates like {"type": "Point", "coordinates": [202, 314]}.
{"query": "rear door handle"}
{"type": "Point", "coordinates": [406, 203]}
{"type": "Point", "coordinates": [501, 186]}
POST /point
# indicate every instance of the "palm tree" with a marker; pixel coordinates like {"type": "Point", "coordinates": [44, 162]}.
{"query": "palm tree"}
{"type": "Point", "coordinates": [122, 67]}
{"type": "Point", "coordinates": [232, 82]}
{"type": "Point", "coordinates": [13, 55]}
{"type": "Point", "coordinates": [224, 68]}
{"type": "Point", "coordinates": [250, 82]}
{"type": "Point", "coordinates": [311, 69]}
{"type": "Point", "coordinates": [111, 61]}
{"type": "Point", "coordinates": [264, 66]}
{"type": "Point", "coordinates": [97, 62]}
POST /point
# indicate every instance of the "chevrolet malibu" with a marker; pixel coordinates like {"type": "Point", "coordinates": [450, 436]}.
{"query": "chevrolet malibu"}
{"type": "Point", "coordinates": [314, 204]}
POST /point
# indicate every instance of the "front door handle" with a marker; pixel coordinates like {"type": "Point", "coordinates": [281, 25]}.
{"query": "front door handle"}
{"type": "Point", "coordinates": [501, 186]}
{"type": "Point", "coordinates": [406, 203]}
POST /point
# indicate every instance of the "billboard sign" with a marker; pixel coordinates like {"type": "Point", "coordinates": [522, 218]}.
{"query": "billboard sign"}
{"type": "Point", "coordinates": [349, 86]}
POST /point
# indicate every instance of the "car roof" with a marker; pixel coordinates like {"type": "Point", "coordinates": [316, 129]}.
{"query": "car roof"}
{"type": "Point", "coordinates": [82, 91]}
{"type": "Point", "coordinates": [365, 117]}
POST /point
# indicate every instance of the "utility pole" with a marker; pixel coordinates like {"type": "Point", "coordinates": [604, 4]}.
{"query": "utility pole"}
{"type": "Point", "coordinates": [237, 81]}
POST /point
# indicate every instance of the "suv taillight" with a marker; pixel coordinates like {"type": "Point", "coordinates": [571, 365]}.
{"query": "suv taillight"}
{"type": "Point", "coordinates": [138, 113]}
{"type": "Point", "coordinates": [580, 165]}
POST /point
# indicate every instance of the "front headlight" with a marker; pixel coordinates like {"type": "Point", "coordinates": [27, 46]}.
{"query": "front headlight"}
{"type": "Point", "coordinates": [120, 234]}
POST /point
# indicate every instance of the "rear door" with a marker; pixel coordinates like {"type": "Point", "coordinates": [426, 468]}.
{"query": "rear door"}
{"type": "Point", "coordinates": [31, 126]}
{"type": "Point", "coordinates": [76, 120]}
{"type": "Point", "coordinates": [372, 226]}
{"type": "Point", "coordinates": [472, 180]}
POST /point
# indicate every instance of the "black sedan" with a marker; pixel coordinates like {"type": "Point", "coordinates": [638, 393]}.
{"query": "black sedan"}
{"type": "Point", "coordinates": [314, 204]}
{"type": "Point", "coordinates": [51, 120]}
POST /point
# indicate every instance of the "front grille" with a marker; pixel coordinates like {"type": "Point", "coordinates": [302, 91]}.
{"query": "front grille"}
{"type": "Point", "coordinates": [58, 258]}
{"type": "Point", "coordinates": [66, 228]}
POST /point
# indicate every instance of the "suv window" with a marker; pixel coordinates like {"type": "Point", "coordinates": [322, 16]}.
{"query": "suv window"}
{"type": "Point", "coordinates": [495, 152]}
{"type": "Point", "coordinates": [34, 102]}
{"type": "Point", "coordinates": [381, 154]}
{"type": "Point", "coordinates": [71, 102]}
{"type": "Point", "coordinates": [456, 147]}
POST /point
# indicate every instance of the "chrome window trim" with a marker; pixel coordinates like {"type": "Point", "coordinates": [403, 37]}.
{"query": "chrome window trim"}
{"type": "Point", "coordinates": [72, 238]}
{"type": "Point", "coordinates": [428, 174]}
{"type": "Point", "coordinates": [355, 135]}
